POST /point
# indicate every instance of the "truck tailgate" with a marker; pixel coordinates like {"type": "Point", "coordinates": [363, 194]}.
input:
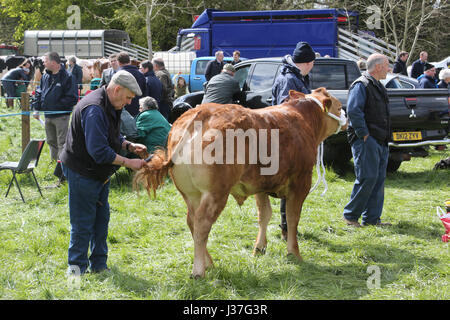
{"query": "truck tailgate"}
{"type": "Point", "coordinates": [427, 116]}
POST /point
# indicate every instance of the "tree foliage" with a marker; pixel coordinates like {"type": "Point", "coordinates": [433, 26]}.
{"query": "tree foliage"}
{"type": "Point", "coordinates": [411, 25]}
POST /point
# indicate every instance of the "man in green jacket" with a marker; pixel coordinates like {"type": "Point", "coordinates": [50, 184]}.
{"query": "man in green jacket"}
{"type": "Point", "coordinates": [152, 127]}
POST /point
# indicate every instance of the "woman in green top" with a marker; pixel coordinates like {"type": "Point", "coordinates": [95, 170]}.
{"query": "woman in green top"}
{"type": "Point", "coordinates": [152, 127]}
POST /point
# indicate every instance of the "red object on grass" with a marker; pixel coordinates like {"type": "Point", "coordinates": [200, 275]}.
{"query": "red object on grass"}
{"type": "Point", "coordinates": [445, 218]}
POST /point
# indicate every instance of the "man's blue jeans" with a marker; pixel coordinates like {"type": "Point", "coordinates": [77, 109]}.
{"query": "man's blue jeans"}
{"type": "Point", "coordinates": [89, 218]}
{"type": "Point", "coordinates": [367, 197]}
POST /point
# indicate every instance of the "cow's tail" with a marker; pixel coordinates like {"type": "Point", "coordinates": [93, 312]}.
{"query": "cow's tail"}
{"type": "Point", "coordinates": [153, 173]}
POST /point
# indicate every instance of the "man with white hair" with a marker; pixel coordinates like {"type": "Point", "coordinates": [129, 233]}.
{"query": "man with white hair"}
{"type": "Point", "coordinates": [368, 135]}
{"type": "Point", "coordinates": [89, 158]}
{"type": "Point", "coordinates": [214, 67]}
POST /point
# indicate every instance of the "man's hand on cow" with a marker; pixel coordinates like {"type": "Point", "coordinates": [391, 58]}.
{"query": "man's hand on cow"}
{"type": "Point", "coordinates": [135, 164]}
{"type": "Point", "coordinates": [138, 148]}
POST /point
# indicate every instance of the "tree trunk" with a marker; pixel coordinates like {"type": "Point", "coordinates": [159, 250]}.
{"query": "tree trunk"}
{"type": "Point", "coordinates": [148, 20]}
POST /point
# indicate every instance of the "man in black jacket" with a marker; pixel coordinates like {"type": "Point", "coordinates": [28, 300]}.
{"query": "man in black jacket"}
{"type": "Point", "coordinates": [76, 71]}
{"type": "Point", "coordinates": [417, 67]}
{"type": "Point", "coordinates": [214, 67]}
{"type": "Point", "coordinates": [56, 95]}
{"type": "Point", "coordinates": [368, 135]}
{"type": "Point", "coordinates": [400, 64]}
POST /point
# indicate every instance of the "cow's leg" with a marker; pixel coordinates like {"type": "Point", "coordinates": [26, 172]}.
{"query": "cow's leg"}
{"type": "Point", "coordinates": [209, 210]}
{"type": "Point", "coordinates": [193, 203]}
{"type": "Point", "coordinates": [294, 203]}
{"type": "Point", "coordinates": [293, 211]}
{"type": "Point", "coordinates": [264, 215]}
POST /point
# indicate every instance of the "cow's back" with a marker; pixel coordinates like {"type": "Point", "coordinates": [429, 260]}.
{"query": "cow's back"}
{"type": "Point", "coordinates": [296, 149]}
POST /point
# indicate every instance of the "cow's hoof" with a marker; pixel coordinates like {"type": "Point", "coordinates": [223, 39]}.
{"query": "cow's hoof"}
{"type": "Point", "coordinates": [259, 252]}
{"type": "Point", "coordinates": [197, 276]}
{"type": "Point", "coordinates": [294, 258]}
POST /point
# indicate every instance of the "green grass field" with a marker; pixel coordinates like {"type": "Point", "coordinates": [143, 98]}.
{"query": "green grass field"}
{"type": "Point", "coordinates": [151, 249]}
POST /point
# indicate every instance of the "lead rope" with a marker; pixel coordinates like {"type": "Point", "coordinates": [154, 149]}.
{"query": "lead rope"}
{"type": "Point", "coordinates": [320, 169]}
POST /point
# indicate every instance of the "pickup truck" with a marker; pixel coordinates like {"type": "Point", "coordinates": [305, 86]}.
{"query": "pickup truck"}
{"type": "Point", "coordinates": [419, 117]}
{"type": "Point", "coordinates": [196, 77]}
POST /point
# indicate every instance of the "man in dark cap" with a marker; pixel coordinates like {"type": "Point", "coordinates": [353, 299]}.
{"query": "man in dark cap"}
{"type": "Point", "coordinates": [427, 81]}
{"type": "Point", "coordinates": [90, 156]}
{"type": "Point", "coordinates": [293, 76]}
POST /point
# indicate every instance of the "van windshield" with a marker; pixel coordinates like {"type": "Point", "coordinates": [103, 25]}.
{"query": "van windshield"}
{"type": "Point", "coordinates": [189, 42]}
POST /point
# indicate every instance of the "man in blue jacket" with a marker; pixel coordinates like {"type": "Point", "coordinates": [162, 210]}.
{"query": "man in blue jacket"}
{"type": "Point", "coordinates": [293, 76]}
{"type": "Point", "coordinates": [368, 134]}
{"type": "Point", "coordinates": [125, 64]}
{"type": "Point", "coordinates": [56, 96]}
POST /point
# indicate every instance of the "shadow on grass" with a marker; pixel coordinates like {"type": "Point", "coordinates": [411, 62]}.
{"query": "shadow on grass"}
{"type": "Point", "coordinates": [140, 287]}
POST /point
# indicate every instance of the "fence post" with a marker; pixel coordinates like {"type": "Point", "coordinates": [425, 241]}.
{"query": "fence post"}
{"type": "Point", "coordinates": [25, 104]}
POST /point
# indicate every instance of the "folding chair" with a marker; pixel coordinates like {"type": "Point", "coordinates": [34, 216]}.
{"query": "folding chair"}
{"type": "Point", "coordinates": [26, 164]}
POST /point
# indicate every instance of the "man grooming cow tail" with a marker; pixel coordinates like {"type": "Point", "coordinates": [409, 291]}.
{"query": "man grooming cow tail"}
{"type": "Point", "coordinates": [153, 174]}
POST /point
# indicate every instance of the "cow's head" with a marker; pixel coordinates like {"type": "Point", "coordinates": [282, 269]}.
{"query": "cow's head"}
{"type": "Point", "coordinates": [336, 120]}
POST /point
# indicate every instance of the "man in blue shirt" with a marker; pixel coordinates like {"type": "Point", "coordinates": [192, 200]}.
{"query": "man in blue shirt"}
{"type": "Point", "coordinates": [293, 76]}
{"type": "Point", "coordinates": [90, 157]}
{"type": "Point", "coordinates": [368, 135]}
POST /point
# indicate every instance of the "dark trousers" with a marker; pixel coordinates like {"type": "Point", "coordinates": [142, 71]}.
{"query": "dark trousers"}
{"type": "Point", "coordinates": [89, 219]}
{"type": "Point", "coordinates": [367, 196]}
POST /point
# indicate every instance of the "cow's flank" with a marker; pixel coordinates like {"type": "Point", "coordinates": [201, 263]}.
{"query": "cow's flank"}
{"type": "Point", "coordinates": [302, 124]}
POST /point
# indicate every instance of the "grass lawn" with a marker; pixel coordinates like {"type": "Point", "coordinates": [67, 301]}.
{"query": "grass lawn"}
{"type": "Point", "coordinates": [151, 249]}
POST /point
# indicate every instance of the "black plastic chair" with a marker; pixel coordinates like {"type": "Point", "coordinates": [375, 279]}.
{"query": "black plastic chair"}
{"type": "Point", "coordinates": [26, 164]}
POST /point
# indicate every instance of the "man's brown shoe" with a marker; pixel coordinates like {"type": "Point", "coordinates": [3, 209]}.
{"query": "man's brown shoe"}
{"type": "Point", "coordinates": [352, 223]}
{"type": "Point", "coordinates": [378, 224]}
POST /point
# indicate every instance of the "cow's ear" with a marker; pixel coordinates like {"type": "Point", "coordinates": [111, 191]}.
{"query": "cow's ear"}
{"type": "Point", "coordinates": [327, 104]}
{"type": "Point", "coordinates": [296, 95]}
{"type": "Point", "coordinates": [323, 91]}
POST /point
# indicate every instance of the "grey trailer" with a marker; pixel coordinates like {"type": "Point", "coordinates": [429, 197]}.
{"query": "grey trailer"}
{"type": "Point", "coordinates": [84, 44]}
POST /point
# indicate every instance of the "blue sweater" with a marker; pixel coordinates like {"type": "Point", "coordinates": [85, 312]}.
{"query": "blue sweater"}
{"type": "Point", "coordinates": [95, 128]}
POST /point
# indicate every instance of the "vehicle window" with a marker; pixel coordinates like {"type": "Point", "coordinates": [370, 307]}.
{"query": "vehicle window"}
{"type": "Point", "coordinates": [200, 68]}
{"type": "Point", "coordinates": [393, 84]}
{"type": "Point", "coordinates": [187, 43]}
{"type": "Point", "coordinates": [329, 76]}
{"type": "Point", "coordinates": [241, 75]}
{"type": "Point", "coordinates": [263, 76]}
{"type": "Point", "coordinates": [406, 85]}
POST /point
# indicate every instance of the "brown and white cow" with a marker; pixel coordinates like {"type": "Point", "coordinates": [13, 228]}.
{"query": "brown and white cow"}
{"type": "Point", "coordinates": [301, 124]}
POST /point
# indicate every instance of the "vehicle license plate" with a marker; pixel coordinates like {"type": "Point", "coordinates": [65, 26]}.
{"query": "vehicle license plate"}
{"type": "Point", "coordinates": [407, 136]}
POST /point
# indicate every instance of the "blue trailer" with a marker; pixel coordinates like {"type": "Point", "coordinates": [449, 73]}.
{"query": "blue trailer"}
{"type": "Point", "coordinates": [258, 34]}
